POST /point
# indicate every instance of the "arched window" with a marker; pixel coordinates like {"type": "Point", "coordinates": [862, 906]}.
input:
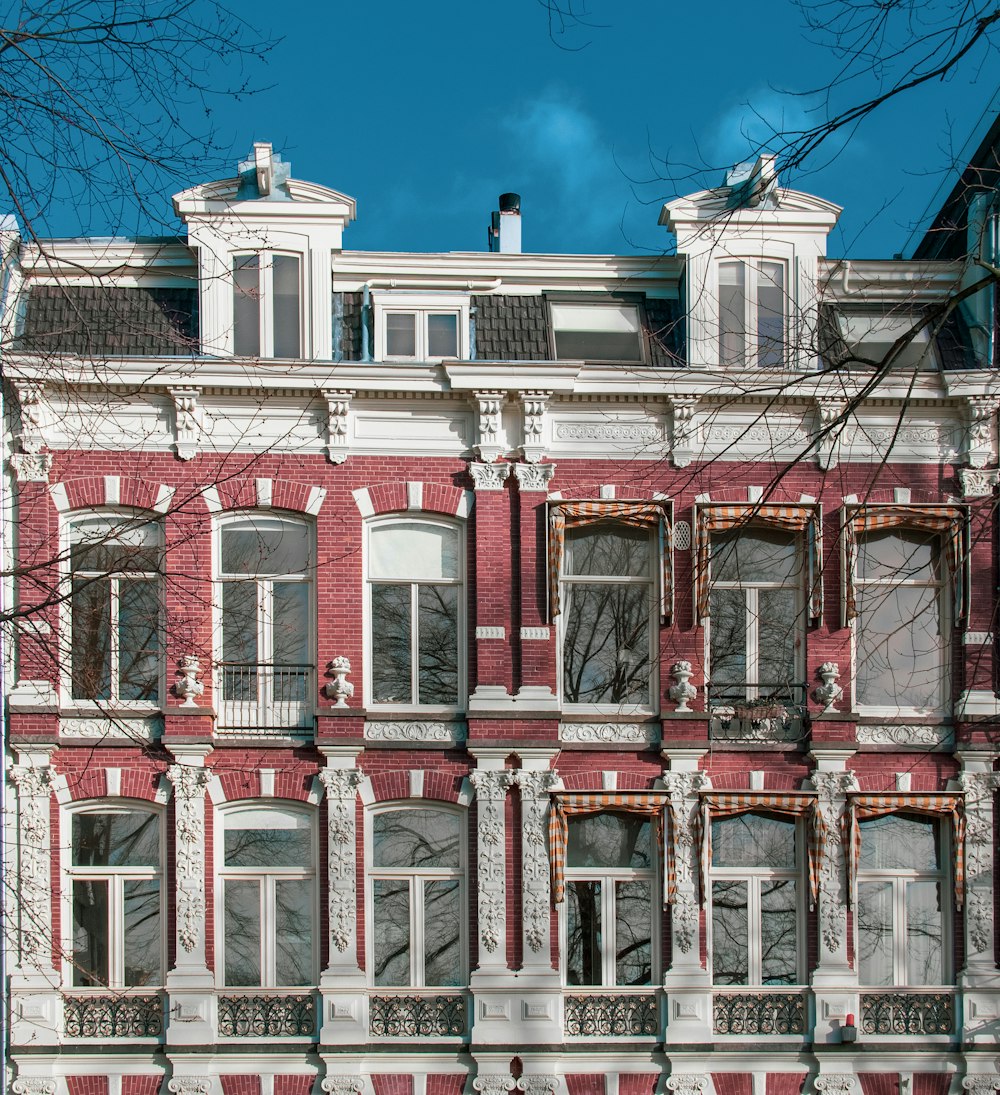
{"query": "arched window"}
{"type": "Point", "coordinates": [268, 904]}
{"type": "Point", "coordinates": [265, 574]}
{"type": "Point", "coordinates": [416, 614]}
{"type": "Point", "coordinates": [417, 897]}
{"type": "Point", "coordinates": [116, 893]}
{"type": "Point", "coordinates": [116, 565]}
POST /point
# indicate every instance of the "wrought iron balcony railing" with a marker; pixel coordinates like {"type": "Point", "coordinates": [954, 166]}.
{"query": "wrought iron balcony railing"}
{"type": "Point", "coordinates": [412, 1016]}
{"type": "Point", "coordinates": [907, 1013]}
{"type": "Point", "coordinates": [113, 1015]}
{"type": "Point", "coordinates": [759, 1012]}
{"type": "Point", "coordinates": [265, 697]}
{"type": "Point", "coordinates": [775, 713]}
{"type": "Point", "coordinates": [612, 1015]}
{"type": "Point", "coordinates": [259, 1015]}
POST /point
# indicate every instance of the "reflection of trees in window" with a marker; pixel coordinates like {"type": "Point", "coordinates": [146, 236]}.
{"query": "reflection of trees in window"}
{"type": "Point", "coordinates": [899, 916]}
{"type": "Point", "coordinates": [268, 880]}
{"type": "Point", "coordinates": [609, 900]}
{"type": "Point", "coordinates": [901, 647]}
{"type": "Point", "coordinates": [756, 623]}
{"type": "Point", "coordinates": [116, 565]}
{"type": "Point", "coordinates": [755, 910]}
{"type": "Point", "coordinates": [415, 582]}
{"type": "Point", "coordinates": [116, 897]}
{"type": "Point", "coordinates": [607, 594]}
{"type": "Point", "coordinates": [417, 898]}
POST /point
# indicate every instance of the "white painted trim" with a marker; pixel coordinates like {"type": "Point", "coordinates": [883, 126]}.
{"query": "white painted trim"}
{"type": "Point", "coordinates": [314, 503]}
{"type": "Point", "coordinates": [60, 499]}
{"type": "Point", "coordinates": [363, 500]}
{"type": "Point", "coordinates": [112, 490]}
{"type": "Point", "coordinates": [265, 491]}
{"type": "Point", "coordinates": [414, 496]}
{"type": "Point", "coordinates": [212, 501]}
{"type": "Point", "coordinates": [164, 496]}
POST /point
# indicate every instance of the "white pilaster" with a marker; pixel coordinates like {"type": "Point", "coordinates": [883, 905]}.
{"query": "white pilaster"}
{"type": "Point", "coordinates": [491, 861]}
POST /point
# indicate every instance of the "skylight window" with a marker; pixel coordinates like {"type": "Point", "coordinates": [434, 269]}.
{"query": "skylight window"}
{"type": "Point", "coordinates": [597, 332]}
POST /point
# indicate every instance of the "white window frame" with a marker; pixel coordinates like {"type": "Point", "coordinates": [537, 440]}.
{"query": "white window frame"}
{"type": "Point", "coordinates": [608, 878]}
{"type": "Point", "coordinates": [461, 582]}
{"type": "Point", "coordinates": [116, 877]}
{"type": "Point", "coordinates": [265, 274]}
{"type": "Point", "coordinates": [128, 517]}
{"type": "Point", "coordinates": [899, 877]}
{"type": "Point", "coordinates": [267, 877]}
{"type": "Point", "coordinates": [752, 262]}
{"type": "Point", "coordinates": [422, 304]}
{"type": "Point", "coordinates": [751, 599]}
{"type": "Point", "coordinates": [754, 877]}
{"type": "Point", "coordinates": [296, 714]}
{"type": "Point", "coordinates": [417, 878]}
{"type": "Point", "coordinates": [943, 585]}
{"type": "Point", "coordinates": [597, 306]}
{"type": "Point", "coordinates": [652, 581]}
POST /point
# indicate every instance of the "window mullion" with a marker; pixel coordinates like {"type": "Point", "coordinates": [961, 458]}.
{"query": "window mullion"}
{"type": "Point", "coordinates": [609, 941]}
{"type": "Point", "coordinates": [899, 930]}
{"type": "Point", "coordinates": [114, 608]}
{"type": "Point", "coordinates": [751, 637]}
{"type": "Point", "coordinates": [417, 971]}
{"type": "Point", "coordinates": [266, 284]}
{"type": "Point", "coordinates": [415, 642]}
{"type": "Point", "coordinates": [116, 931]}
{"type": "Point", "coordinates": [754, 931]}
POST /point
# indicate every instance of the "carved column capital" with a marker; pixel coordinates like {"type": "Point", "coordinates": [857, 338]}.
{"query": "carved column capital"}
{"type": "Point", "coordinates": [837, 1083]}
{"type": "Point", "coordinates": [985, 1083]}
{"type": "Point", "coordinates": [491, 784]}
{"type": "Point", "coordinates": [341, 783]}
{"type": "Point", "coordinates": [33, 1085]}
{"type": "Point", "coordinates": [494, 1083]}
{"type": "Point", "coordinates": [189, 1085]}
{"type": "Point", "coordinates": [342, 1085]}
{"type": "Point", "coordinates": [31, 467]}
{"type": "Point", "coordinates": [538, 1085]}
{"type": "Point", "coordinates": [687, 1083]}
{"type": "Point", "coordinates": [489, 476]}
{"type": "Point", "coordinates": [532, 477]}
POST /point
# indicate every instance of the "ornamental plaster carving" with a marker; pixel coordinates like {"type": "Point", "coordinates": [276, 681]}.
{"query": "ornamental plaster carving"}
{"type": "Point", "coordinates": [34, 786]}
{"type": "Point", "coordinates": [497, 1083]}
{"type": "Point", "coordinates": [491, 793]}
{"type": "Point", "coordinates": [189, 1085]}
{"type": "Point", "coordinates": [533, 407]}
{"type": "Point", "coordinates": [338, 409]}
{"type": "Point", "coordinates": [119, 728]}
{"type": "Point", "coordinates": [976, 482]}
{"type": "Point", "coordinates": [683, 788]}
{"type": "Point", "coordinates": [688, 1084]}
{"type": "Point", "coordinates": [538, 1085]}
{"type": "Point", "coordinates": [34, 415]}
{"type": "Point", "coordinates": [535, 633]}
{"type": "Point", "coordinates": [188, 417]}
{"type": "Point", "coordinates": [341, 786]}
{"type": "Point", "coordinates": [830, 425]}
{"type": "Point", "coordinates": [189, 687]}
{"type": "Point", "coordinates": [489, 476]}
{"type": "Point", "coordinates": [534, 476]}
{"type": "Point", "coordinates": [31, 467]}
{"type": "Point", "coordinates": [757, 434]}
{"type": "Point", "coordinates": [832, 789]}
{"type": "Point", "coordinates": [684, 430]}
{"type": "Point", "coordinates": [980, 789]}
{"type": "Point", "coordinates": [535, 787]}
{"type": "Point", "coordinates": [980, 413]}
{"type": "Point", "coordinates": [837, 1083]}
{"type": "Point", "coordinates": [683, 692]}
{"type": "Point", "coordinates": [491, 631]}
{"type": "Point", "coordinates": [189, 784]}
{"type": "Point", "coordinates": [897, 734]}
{"type": "Point", "coordinates": [983, 1084]}
{"type": "Point", "coordinates": [415, 731]}
{"type": "Point", "coordinates": [623, 733]}
{"type": "Point", "coordinates": [340, 689]}
{"type": "Point", "coordinates": [490, 446]}
{"type": "Point", "coordinates": [33, 1085]}
{"type": "Point", "coordinates": [634, 433]}
{"type": "Point", "coordinates": [342, 1085]}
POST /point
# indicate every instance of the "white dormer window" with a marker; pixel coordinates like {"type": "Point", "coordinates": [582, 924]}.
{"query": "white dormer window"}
{"type": "Point", "coordinates": [421, 326]}
{"type": "Point", "coordinates": [267, 305]}
{"type": "Point", "coordinates": [752, 313]}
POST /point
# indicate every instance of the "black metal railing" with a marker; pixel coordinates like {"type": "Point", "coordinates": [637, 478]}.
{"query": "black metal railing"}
{"type": "Point", "coordinates": [907, 1013]}
{"type": "Point", "coordinates": [266, 697]}
{"type": "Point", "coordinates": [267, 1016]}
{"type": "Point", "coordinates": [768, 713]}
{"type": "Point", "coordinates": [113, 1016]}
{"type": "Point", "coordinates": [417, 1016]}
{"type": "Point", "coordinates": [612, 1015]}
{"type": "Point", "coordinates": [758, 1013]}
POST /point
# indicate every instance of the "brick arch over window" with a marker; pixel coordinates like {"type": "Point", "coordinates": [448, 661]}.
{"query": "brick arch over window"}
{"type": "Point", "coordinates": [98, 491]}
{"type": "Point", "coordinates": [398, 787]}
{"type": "Point", "coordinates": [142, 784]}
{"type": "Point", "coordinates": [265, 779]}
{"type": "Point", "coordinates": [245, 492]}
{"type": "Point", "coordinates": [606, 492]}
{"type": "Point", "coordinates": [413, 497]}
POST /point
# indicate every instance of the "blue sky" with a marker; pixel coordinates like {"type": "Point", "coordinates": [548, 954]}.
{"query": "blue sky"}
{"type": "Point", "coordinates": [425, 112]}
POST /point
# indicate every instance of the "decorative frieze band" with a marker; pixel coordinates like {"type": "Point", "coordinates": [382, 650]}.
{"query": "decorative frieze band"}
{"type": "Point", "coordinates": [489, 631]}
{"type": "Point", "coordinates": [415, 730]}
{"type": "Point", "coordinates": [900, 734]}
{"type": "Point", "coordinates": [616, 733]}
{"type": "Point", "coordinates": [535, 634]}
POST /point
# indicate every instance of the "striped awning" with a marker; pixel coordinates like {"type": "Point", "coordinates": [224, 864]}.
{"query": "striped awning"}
{"type": "Point", "coordinates": [949, 522]}
{"type": "Point", "coordinates": [864, 807]}
{"type": "Point", "coordinates": [648, 515]}
{"type": "Point", "coordinates": [784, 518]}
{"type": "Point", "coordinates": [564, 806]}
{"type": "Point", "coordinates": [718, 805]}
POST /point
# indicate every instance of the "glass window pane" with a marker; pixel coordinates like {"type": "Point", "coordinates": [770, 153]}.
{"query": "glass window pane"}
{"type": "Point", "coordinates": [239, 629]}
{"type": "Point", "coordinates": [142, 933]}
{"type": "Point", "coordinates": [293, 930]}
{"type": "Point", "coordinates": [900, 842]}
{"type": "Point", "coordinates": [416, 838]}
{"type": "Point", "coordinates": [903, 554]}
{"type": "Point", "coordinates": [778, 631]}
{"type": "Point", "coordinates": [874, 919]}
{"type": "Point", "coordinates": [121, 839]}
{"type": "Point", "coordinates": [442, 335]}
{"type": "Point", "coordinates": [413, 550]}
{"type": "Point", "coordinates": [727, 630]}
{"type": "Point", "coordinates": [91, 638]}
{"type": "Point", "coordinates": [391, 921]}
{"type": "Point", "coordinates": [286, 310]}
{"type": "Point", "coordinates": [608, 549]}
{"type": "Point", "coordinates": [609, 840]}
{"type": "Point", "coordinates": [779, 963]}
{"type": "Point", "coordinates": [290, 626]}
{"type": "Point", "coordinates": [268, 847]}
{"type": "Point", "coordinates": [242, 932]}
{"type": "Point", "coordinates": [106, 545]}
{"type": "Point", "coordinates": [400, 334]}
{"type": "Point", "coordinates": [442, 933]}
{"type": "Point", "coordinates": [606, 656]}
{"type": "Point", "coordinates": [265, 547]}
{"type": "Point", "coordinates": [755, 555]}
{"type": "Point", "coordinates": [583, 933]}
{"type": "Point", "coordinates": [770, 314]}
{"type": "Point", "coordinates": [597, 331]}
{"type": "Point", "coordinates": [246, 306]}
{"type": "Point", "coordinates": [392, 680]}
{"type": "Point", "coordinates": [437, 631]}
{"type": "Point", "coordinates": [730, 954]}
{"type": "Point", "coordinates": [633, 935]}
{"type": "Point", "coordinates": [90, 934]}
{"type": "Point", "coordinates": [732, 313]}
{"type": "Point", "coordinates": [753, 840]}
{"type": "Point", "coordinates": [900, 650]}
{"type": "Point", "coordinates": [924, 936]}
{"type": "Point", "coordinates": [138, 640]}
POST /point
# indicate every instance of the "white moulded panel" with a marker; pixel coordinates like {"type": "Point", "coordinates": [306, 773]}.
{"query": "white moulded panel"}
{"type": "Point", "coordinates": [610, 433]}
{"type": "Point", "coordinates": [933, 436]}
{"type": "Point", "coordinates": [107, 422]}
{"type": "Point", "coordinates": [752, 434]}
{"type": "Point", "coordinates": [388, 430]}
{"type": "Point", "coordinates": [265, 424]}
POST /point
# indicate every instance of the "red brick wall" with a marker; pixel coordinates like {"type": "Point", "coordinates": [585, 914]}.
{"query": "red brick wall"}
{"type": "Point", "coordinates": [240, 1085]}
{"type": "Point", "coordinates": [392, 1084]}
{"type": "Point", "coordinates": [585, 1083]}
{"type": "Point", "coordinates": [87, 1085]}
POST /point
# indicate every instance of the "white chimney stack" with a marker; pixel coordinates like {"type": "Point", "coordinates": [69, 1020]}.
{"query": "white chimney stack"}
{"type": "Point", "coordinates": [505, 227]}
